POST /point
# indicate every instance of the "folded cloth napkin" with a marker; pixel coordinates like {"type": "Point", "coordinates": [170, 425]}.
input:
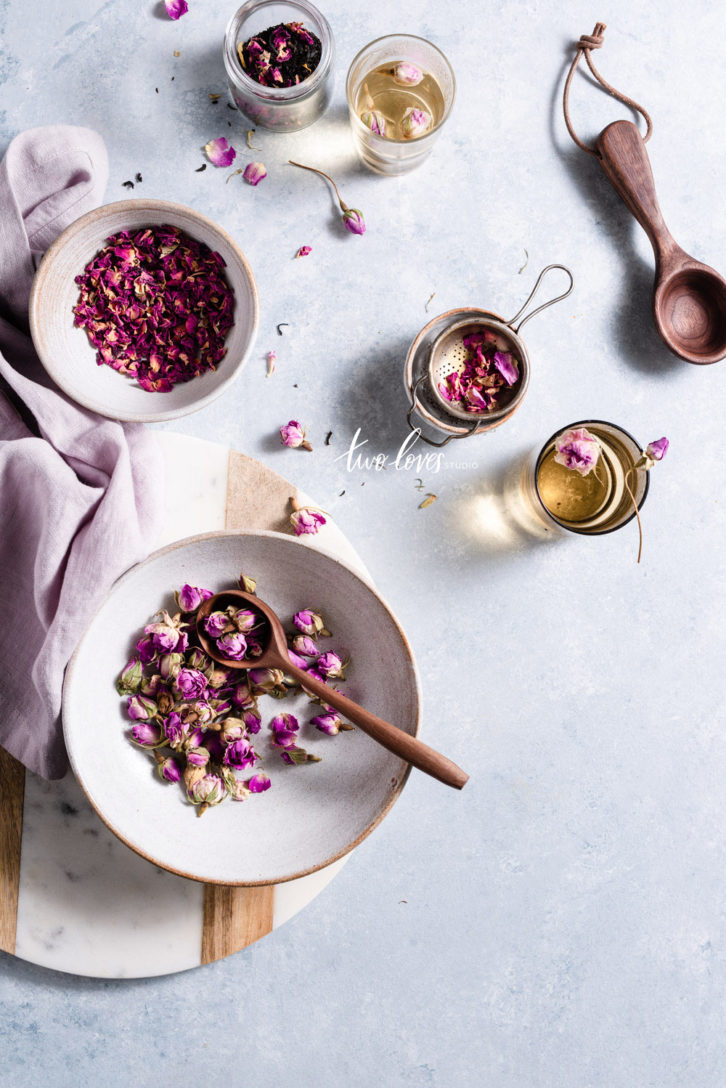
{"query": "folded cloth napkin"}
{"type": "Point", "coordinates": [80, 495]}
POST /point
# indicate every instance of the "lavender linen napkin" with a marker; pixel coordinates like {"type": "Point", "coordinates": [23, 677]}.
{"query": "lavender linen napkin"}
{"type": "Point", "coordinates": [79, 494]}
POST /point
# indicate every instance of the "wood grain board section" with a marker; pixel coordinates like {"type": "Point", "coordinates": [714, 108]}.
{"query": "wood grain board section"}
{"type": "Point", "coordinates": [235, 917]}
{"type": "Point", "coordinates": [12, 791]}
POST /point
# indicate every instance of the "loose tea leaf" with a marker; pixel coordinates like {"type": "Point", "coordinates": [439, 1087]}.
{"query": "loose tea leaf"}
{"type": "Point", "coordinates": [128, 184]}
{"type": "Point", "coordinates": [281, 56]}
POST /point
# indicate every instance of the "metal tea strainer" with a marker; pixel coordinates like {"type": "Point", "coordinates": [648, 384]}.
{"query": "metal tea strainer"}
{"type": "Point", "coordinates": [439, 351]}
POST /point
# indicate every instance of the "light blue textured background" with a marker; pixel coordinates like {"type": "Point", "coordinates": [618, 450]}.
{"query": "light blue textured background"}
{"type": "Point", "coordinates": [560, 924]}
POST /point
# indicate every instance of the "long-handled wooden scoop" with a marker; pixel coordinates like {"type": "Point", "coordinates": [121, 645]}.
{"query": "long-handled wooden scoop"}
{"type": "Point", "coordinates": [275, 656]}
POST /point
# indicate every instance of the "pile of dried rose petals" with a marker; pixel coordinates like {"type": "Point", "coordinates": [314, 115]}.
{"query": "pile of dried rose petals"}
{"type": "Point", "coordinates": [487, 371]}
{"type": "Point", "coordinates": [156, 305]}
{"type": "Point", "coordinates": [281, 56]}
{"type": "Point", "coordinates": [198, 718]}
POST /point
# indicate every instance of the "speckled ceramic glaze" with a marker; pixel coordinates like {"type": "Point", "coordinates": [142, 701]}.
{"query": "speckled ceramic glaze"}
{"type": "Point", "coordinates": [65, 350]}
{"type": "Point", "coordinates": [312, 814]}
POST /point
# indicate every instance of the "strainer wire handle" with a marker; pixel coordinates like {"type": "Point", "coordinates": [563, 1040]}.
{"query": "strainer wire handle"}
{"type": "Point", "coordinates": [544, 305]}
{"type": "Point", "coordinates": [412, 409]}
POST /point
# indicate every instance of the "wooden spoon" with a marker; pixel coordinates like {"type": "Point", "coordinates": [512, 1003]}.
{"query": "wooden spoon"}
{"type": "Point", "coordinates": [275, 656]}
{"type": "Point", "coordinates": [689, 302]}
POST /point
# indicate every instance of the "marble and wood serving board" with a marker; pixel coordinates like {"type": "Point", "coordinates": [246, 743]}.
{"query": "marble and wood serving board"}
{"type": "Point", "coordinates": [72, 896]}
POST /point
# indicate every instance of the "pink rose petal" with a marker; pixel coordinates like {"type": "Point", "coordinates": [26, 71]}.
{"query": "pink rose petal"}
{"type": "Point", "coordinates": [176, 8]}
{"type": "Point", "coordinates": [219, 152]}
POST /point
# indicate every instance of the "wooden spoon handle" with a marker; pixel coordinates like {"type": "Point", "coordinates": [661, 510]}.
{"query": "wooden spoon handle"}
{"type": "Point", "coordinates": [624, 158]}
{"type": "Point", "coordinates": [395, 740]}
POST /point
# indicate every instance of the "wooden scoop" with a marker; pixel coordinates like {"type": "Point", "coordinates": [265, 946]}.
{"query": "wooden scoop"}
{"type": "Point", "coordinates": [689, 302]}
{"type": "Point", "coordinates": [275, 656]}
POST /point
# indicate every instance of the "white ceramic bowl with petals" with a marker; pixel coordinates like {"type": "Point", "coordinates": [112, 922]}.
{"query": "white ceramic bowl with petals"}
{"type": "Point", "coordinates": [65, 350]}
{"type": "Point", "coordinates": [312, 814]}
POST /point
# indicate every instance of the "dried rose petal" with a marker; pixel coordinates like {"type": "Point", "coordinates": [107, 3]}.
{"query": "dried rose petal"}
{"type": "Point", "coordinates": [577, 449]}
{"type": "Point", "coordinates": [176, 8]}
{"type": "Point", "coordinates": [506, 366]}
{"type": "Point", "coordinates": [307, 521]}
{"type": "Point", "coordinates": [407, 75]}
{"type": "Point", "coordinates": [254, 173]}
{"type": "Point", "coordinates": [292, 434]}
{"type": "Point", "coordinates": [219, 152]}
{"type": "Point", "coordinates": [415, 122]}
{"type": "Point", "coordinates": [258, 783]}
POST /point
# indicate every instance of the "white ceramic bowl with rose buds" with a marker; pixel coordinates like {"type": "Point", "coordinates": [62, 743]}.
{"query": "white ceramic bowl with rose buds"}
{"type": "Point", "coordinates": [312, 814]}
{"type": "Point", "coordinates": [65, 350]}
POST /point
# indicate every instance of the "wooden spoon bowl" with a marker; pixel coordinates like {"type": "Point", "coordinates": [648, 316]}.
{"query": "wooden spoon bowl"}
{"type": "Point", "coordinates": [275, 656]}
{"type": "Point", "coordinates": [689, 302]}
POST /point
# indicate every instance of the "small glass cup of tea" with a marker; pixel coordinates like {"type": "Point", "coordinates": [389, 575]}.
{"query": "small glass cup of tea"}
{"type": "Point", "coordinates": [605, 497]}
{"type": "Point", "coordinates": [400, 91]}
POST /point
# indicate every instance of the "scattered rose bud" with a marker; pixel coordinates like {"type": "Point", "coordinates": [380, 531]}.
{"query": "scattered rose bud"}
{"type": "Point", "coordinates": [139, 708]}
{"type": "Point", "coordinates": [267, 681]}
{"type": "Point", "coordinates": [218, 677]}
{"type": "Point", "coordinates": [209, 790]}
{"type": "Point", "coordinates": [170, 665]}
{"type": "Point", "coordinates": [295, 755]}
{"type": "Point", "coordinates": [352, 217]}
{"type": "Point", "coordinates": [330, 666]}
{"type": "Point", "coordinates": [292, 434]}
{"type": "Point", "coordinates": [189, 598]}
{"type": "Point", "coordinates": [152, 684]}
{"type": "Point", "coordinates": [258, 783]}
{"type": "Point", "coordinates": [215, 623]}
{"type": "Point", "coordinates": [327, 723]}
{"type": "Point", "coordinates": [176, 8]}
{"type": "Point", "coordinates": [219, 152]}
{"type": "Point", "coordinates": [407, 75]}
{"type": "Point", "coordinates": [244, 620]}
{"type": "Point", "coordinates": [375, 121]}
{"type": "Point", "coordinates": [236, 788]}
{"type": "Point", "coordinates": [198, 757]}
{"type": "Point", "coordinates": [296, 660]}
{"type": "Point", "coordinates": [303, 251]}
{"type": "Point", "coordinates": [190, 683]}
{"type": "Point", "coordinates": [307, 521]}
{"type": "Point", "coordinates": [197, 659]}
{"type": "Point", "coordinates": [247, 584]}
{"type": "Point", "coordinates": [577, 449]}
{"type": "Point", "coordinates": [130, 679]}
{"type": "Point", "coordinates": [657, 450]}
{"type": "Point", "coordinates": [252, 721]}
{"type": "Point", "coordinates": [169, 769]}
{"type": "Point", "coordinates": [353, 221]}
{"type": "Point", "coordinates": [242, 696]}
{"type": "Point", "coordinates": [233, 646]}
{"type": "Point", "coordinates": [415, 122]}
{"type": "Point", "coordinates": [254, 173]}
{"type": "Point", "coordinates": [310, 622]}
{"type": "Point", "coordinates": [303, 644]}
{"type": "Point", "coordinates": [240, 754]}
{"type": "Point", "coordinates": [146, 734]}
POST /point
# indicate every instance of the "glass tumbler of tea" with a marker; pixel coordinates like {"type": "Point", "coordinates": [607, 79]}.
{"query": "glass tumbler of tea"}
{"type": "Point", "coordinates": [567, 492]}
{"type": "Point", "coordinates": [400, 90]}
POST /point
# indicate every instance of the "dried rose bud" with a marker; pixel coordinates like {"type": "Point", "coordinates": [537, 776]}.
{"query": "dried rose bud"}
{"type": "Point", "coordinates": [232, 729]}
{"type": "Point", "coordinates": [295, 755]}
{"type": "Point", "coordinates": [254, 173]}
{"type": "Point", "coordinates": [197, 757]}
{"type": "Point", "coordinates": [233, 646]}
{"type": "Point", "coordinates": [310, 622]}
{"type": "Point", "coordinates": [415, 122]}
{"type": "Point", "coordinates": [258, 783]}
{"type": "Point", "coordinates": [189, 597]}
{"type": "Point", "coordinates": [150, 685]}
{"type": "Point", "coordinates": [267, 681]}
{"type": "Point", "coordinates": [284, 723]}
{"type": "Point", "coordinates": [375, 121]}
{"type": "Point", "coordinates": [353, 221]}
{"type": "Point", "coordinates": [298, 661]}
{"type": "Point", "coordinates": [169, 770]}
{"type": "Point", "coordinates": [407, 75]}
{"type": "Point", "coordinates": [327, 723]}
{"type": "Point", "coordinates": [240, 754]}
{"type": "Point", "coordinates": [306, 521]}
{"type": "Point", "coordinates": [252, 721]}
{"type": "Point", "coordinates": [303, 644]}
{"type": "Point", "coordinates": [236, 788]}
{"type": "Point", "coordinates": [194, 738]}
{"type": "Point", "coordinates": [192, 775]}
{"type": "Point", "coordinates": [130, 679]}
{"type": "Point", "coordinates": [174, 730]}
{"type": "Point", "coordinates": [242, 696]}
{"type": "Point", "coordinates": [219, 152]}
{"type": "Point", "coordinates": [244, 620]}
{"type": "Point", "coordinates": [190, 683]}
{"type": "Point", "coordinates": [303, 251]}
{"type": "Point", "coordinates": [164, 701]}
{"type": "Point", "coordinates": [139, 708]}
{"type": "Point", "coordinates": [330, 666]}
{"type": "Point", "coordinates": [170, 665]}
{"type": "Point", "coordinates": [167, 634]}
{"type": "Point", "coordinates": [197, 659]}
{"type": "Point", "coordinates": [147, 735]}
{"type": "Point", "coordinates": [146, 650]}
{"type": "Point", "coordinates": [656, 451]}
{"type": "Point", "coordinates": [202, 712]}
{"type": "Point", "coordinates": [218, 677]}
{"type": "Point", "coordinates": [215, 623]}
{"type": "Point", "coordinates": [247, 584]}
{"type": "Point", "coordinates": [209, 790]}
{"type": "Point", "coordinates": [221, 706]}
{"type": "Point", "coordinates": [292, 434]}
{"type": "Point", "coordinates": [577, 449]}
{"type": "Point", "coordinates": [176, 8]}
